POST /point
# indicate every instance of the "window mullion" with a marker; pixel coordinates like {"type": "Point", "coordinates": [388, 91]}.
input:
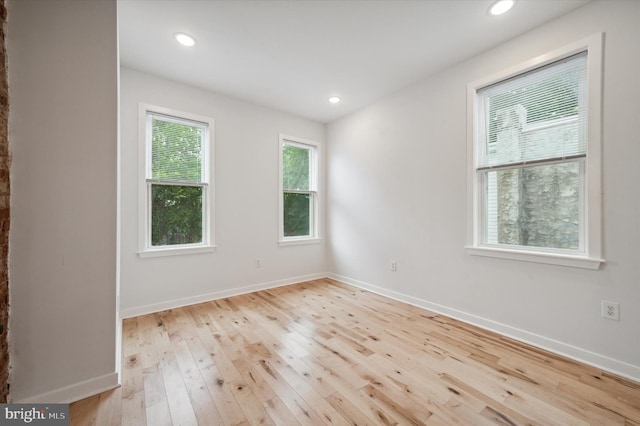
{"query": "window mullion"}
{"type": "Point", "coordinates": [176, 183]}
{"type": "Point", "coordinates": [531, 163]}
{"type": "Point", "coordinates": [297, 191]}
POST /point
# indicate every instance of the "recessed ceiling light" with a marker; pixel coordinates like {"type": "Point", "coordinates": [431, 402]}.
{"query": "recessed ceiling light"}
{"type": "Point", "coordinates": [334, 99]}
{"type": "Point", "coordinates": [185, 39]}
{"type": "Point", "coordinates": [501, 6]}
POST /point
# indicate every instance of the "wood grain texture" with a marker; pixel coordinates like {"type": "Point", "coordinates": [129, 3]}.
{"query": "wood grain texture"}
{"type": "Point", "coordinates": [322, 352]}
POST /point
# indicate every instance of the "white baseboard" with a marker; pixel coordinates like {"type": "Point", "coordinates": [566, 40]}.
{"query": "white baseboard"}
{"type": "Point", "coordinates": [178, 303]}
{"type": "Point", "coordinates": [611, 365]}
{"type": "Point", "coordinates": [74, 392]}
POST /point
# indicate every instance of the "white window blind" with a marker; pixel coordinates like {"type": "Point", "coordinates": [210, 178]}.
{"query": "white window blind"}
{"type": "Point", "coordinates": [177, 150]}
{"type": "Point", "coordinates": [513, 112]}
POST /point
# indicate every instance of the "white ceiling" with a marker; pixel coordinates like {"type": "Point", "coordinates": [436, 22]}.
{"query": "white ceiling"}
{"type": "Point", "coordinates": [293, 55]}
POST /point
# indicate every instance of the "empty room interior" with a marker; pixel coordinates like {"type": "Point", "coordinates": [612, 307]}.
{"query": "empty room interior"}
{"type": "Point", "coordinates": [322, 212]}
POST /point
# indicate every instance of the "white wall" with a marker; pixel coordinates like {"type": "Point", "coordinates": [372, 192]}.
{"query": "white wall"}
{"type": "Point", "coordinates": [397, 185]}
{"type": "Point", "coordinates": [63, 137]}
{"type": "Point", "coordinates": [246, 202]}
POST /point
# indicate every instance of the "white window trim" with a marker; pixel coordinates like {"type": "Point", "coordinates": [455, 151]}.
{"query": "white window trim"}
{"type": "Point", "coordinates": [592, 257]}
{"type": "Point", "coordinates": [145, 249]}
{"type": "Point", "coordinates": [315, 237]}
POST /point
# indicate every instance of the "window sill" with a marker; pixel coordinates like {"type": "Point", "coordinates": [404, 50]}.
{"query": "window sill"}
{"type": "Point", "coordinates": [175, 251]}
{"type": "Point", "coordinates": [298, 241]}
{"type": "Point", "coordinates": [537, 257]}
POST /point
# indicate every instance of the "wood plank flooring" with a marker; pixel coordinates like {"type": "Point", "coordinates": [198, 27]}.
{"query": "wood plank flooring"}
{"type": "Point", "coordinates": [323, 352]}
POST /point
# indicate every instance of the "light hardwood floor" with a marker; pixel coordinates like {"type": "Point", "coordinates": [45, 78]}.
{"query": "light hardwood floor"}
{"type": "Point", "coordinates": [323, 352]}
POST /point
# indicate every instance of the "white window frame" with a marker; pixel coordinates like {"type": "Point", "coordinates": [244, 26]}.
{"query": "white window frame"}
{"type": "Point", "coordinates": [590, 255]}
{"type": "Point", "coordinates": [314, 179]}
{"type": "Point", "coordinates": [145, 249]}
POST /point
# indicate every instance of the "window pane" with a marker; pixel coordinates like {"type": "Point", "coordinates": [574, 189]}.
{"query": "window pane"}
{"type": "Point", "coordinates": [534, 206]}
{"type": "Point", "coordinates": [176, 215]}
{"type": "Point", "coordinates": [295, 168]}
{"type": "Point", "coordinates": [176, 152]}
{"type": "Point", "coordinates": [297, 214]}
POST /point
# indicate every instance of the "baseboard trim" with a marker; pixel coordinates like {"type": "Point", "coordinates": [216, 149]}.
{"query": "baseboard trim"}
{"type": "Point", "coordinates": [178, 303]}
{"type": "Point", "coordinates": [74, 392]}
{"type": "Point", "coordinates": [620, 368]}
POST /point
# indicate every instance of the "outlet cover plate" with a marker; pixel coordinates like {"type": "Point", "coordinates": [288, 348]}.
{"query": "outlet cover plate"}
{"type": "Point", "coordinates": [611, 310]}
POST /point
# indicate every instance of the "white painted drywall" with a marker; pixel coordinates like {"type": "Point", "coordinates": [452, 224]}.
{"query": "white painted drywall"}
{"type": "Point", "coordinates": [397, 190]}
{"type": "Point", "coordinates": [63, 133]}
{"type": "Point", "coordinates": [246, 209]}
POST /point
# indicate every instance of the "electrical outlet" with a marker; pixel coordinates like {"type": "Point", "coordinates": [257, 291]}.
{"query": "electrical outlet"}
{"type": "Point", "coordinates": [611, 310]}
{"type": "Point", "coordinates": [394, 266]}
{"type": "Point", "coordinates": [258, 262]}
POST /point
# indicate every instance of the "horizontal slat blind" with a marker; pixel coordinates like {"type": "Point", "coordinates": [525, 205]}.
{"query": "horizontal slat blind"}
{"type": "Point", "coordinates": [177, 150]}
{"type": "Point", "coordinates": [536, 116]}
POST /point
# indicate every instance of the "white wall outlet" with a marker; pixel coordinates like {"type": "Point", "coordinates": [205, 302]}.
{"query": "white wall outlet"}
{"type": "Point", "coordinates": [611, 310]}
{"type": "Point", "coordinates": [258, 262]}
{"type": "Point", "coordinates": [393, 266]}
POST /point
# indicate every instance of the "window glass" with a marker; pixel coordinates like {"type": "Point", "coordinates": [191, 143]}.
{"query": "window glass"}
{"type": "Point", "coordinates": [297, 214]}
{"type": "Point", "coordinates": [535, 206]}
{"type": "Point", "coordinates": [295, 167]}
{"type": "Point", "coordinates": [176, 215]}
